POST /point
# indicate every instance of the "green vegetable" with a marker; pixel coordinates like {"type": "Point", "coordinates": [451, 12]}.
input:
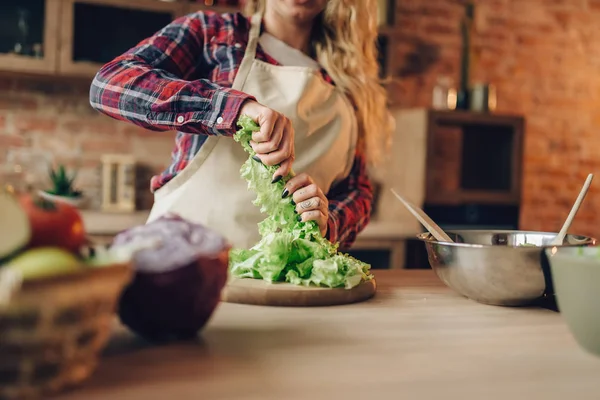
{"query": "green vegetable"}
{"type": "Point", "coordinates": [289, 250]}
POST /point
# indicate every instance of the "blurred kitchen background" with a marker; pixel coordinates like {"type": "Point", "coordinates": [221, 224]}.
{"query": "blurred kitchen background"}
{"type": "Point", "coordinates": [496, 104]}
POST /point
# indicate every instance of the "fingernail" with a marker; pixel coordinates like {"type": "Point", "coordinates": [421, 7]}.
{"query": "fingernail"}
{"type": "Point", "coordinates": [299, 218]}
{"type": "Point", "coordinates": [255, 158]}
{"type": "Point", "coordinates": [285, 193]}
{"type": "Point", "coordinates": [293, 202]}
{"type": "Point", "coordinates": [276, 179]}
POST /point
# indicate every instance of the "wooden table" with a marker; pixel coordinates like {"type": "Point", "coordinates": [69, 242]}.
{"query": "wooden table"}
{"type": "Point", "coordinates": [415, 340]}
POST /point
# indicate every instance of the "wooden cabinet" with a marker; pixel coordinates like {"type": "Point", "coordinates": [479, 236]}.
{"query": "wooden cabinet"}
{"type": "Point", "coordinates": [76, 37]}
{"type": "Point", "coordinates": [472, 157]}
{"type": "Point", "coordinates": [93, 32]}
{"type": "Point", "coordinates": [29, 35]}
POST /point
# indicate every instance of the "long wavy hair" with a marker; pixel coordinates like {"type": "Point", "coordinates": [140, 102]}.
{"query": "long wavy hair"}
{"type": "Point", "coordinates": [345, 43]}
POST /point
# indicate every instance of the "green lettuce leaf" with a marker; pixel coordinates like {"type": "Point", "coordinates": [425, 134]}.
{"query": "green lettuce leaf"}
{"type": "Point", "coordinates": [289, 250]}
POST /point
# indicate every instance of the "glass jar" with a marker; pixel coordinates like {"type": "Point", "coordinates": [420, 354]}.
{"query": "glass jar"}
{"type": "Point", "coordinates": [12, 180]}
{"type": "Point", "coordinates": [444, 94]}
{"type": "Point", "coordinates": [30, 166]}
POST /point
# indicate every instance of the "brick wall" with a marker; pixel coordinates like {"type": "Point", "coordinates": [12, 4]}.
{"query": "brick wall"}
{"type": "Point", "coordinates": [544, 58]}
{"type": "Point", "coordinates": [55, 119]}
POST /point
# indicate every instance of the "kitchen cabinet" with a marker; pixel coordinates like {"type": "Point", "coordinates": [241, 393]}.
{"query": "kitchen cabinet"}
{"type": "Point", "coordinates": [74, 38]}
{"type": "Point", "coordinates": [87, 44]}
{"type": "Point", "coordinates": [29, 35]}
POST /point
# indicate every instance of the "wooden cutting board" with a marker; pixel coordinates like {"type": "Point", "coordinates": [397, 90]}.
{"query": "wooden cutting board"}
{"type": "Point", "coordinates": [260, 292]}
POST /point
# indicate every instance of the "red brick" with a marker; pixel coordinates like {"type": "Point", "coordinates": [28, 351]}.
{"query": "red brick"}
{"type": "Point", "coordinates": [29, 122]}
{"type": "Point", "coordinates": [133, 130]}
{"type": "Point", "coordinates": [58, 143]}
{"type": "Point", "coordinates": [7, 141]}
{"type": "Point", "coordinates": [94, 126]}
{"type": "Point", "coordinates": [20, 103]}
{"type": "Point", "coordinates": [440, 27]}
{"type": "Point", "coordinates": [99, 145]}
{"type": "Point", "coordinates": [78, 162]}
{"type": "Point", "coordinates": [594, 5]}
{"type": "Point", "coordinates": [407, 22]}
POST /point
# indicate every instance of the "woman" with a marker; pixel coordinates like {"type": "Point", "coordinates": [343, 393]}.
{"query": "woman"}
{"type": "Point", "coordinates": [304, 70]}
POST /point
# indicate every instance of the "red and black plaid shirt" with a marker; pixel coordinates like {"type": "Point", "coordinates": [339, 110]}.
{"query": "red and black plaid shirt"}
{"type": "Point", "coordinates": [180, 79]}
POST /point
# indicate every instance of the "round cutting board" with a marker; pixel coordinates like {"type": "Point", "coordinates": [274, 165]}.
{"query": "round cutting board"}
{"type": "Point", "coordinates": [260, 292]}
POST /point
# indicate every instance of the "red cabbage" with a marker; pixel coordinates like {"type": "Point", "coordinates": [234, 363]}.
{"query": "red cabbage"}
{"type": "Point", "coordinates": [180, 270]}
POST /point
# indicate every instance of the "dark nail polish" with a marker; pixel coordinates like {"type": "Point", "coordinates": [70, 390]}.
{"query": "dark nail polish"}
{"type": "Point", "coordinates": [255, 158]}
{"type": "Point", "coordinates": [293, 202]}
{"type": "Point", "coordinates": [299, 218]}
{"type": "Point", "coordinates": [285, 193]}
{"type": "Point", "coordinates": [276, 179]}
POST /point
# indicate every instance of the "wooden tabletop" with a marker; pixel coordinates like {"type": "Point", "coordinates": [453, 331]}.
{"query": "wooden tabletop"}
{"type": "Point", "coordinates": [415, 340]}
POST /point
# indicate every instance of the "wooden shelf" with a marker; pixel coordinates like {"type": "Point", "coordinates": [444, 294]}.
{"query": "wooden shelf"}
{"type": "Point", "coordinates": [486, 148]}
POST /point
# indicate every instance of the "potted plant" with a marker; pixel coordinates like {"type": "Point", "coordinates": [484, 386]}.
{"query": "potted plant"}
{"type": "Point", "coordinates": [62, 187]}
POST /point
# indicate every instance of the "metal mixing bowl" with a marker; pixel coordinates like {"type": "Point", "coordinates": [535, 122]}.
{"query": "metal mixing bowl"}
{"type": "Point", "coordinates": [504, 268]}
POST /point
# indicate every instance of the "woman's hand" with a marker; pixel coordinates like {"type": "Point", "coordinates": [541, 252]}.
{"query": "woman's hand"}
{"type": "Point", "coordinates": [274, 143]}
{"type": "Point", "coordinates": [311, 203]}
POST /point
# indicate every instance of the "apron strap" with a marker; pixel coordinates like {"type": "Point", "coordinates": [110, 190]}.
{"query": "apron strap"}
{"type": "Point", "coordinates": [250, 53]}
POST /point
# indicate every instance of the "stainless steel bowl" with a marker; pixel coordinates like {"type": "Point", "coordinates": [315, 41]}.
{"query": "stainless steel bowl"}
{"type": "Point", "coordinates": [504, 268]}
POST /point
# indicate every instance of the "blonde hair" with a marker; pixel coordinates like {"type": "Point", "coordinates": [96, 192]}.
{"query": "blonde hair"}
{"type": "Point", "coordinates": [344, 41]}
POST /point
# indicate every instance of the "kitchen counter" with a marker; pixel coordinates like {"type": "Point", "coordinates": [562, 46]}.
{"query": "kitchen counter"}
{"type": "Point", "coordinates": [415, 340]}
{"type": "Point", "coordinates": [111, 223]}
{"type": "Point", "coordinates": [378, 235]}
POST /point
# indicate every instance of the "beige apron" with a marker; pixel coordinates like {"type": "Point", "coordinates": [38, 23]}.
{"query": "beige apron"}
{"type": "Point", "coordinates": [210, 190]}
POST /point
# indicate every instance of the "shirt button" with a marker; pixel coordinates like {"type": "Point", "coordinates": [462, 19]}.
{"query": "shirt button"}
{"type": "Point", "coordinates": [237, 45]}
{"type": "Point", "coordinates": [180, 119]}
{"type": "Point", "coordinates": [220, 120]}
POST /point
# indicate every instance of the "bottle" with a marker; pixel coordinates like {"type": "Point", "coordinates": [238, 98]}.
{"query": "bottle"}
{"type": "Point", "coordinates": [22, 46]}
{"type": "Point", "coordinates": [444, 94]}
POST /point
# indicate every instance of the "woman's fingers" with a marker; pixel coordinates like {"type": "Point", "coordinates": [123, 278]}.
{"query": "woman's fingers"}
{"type": "Point", "coordinates": [273, 143]}
{"type": "Point", "coordinates": [318, 216]}
{"type": "Point", "coordinates": [308, 206]}
{"type": "Point", "coordinates": [284, 156]}
{"type": "Point", "coordinates": [295, 183]}
{"type": "Point", "coordinates": [266, 120]}
{"type": "Point", "coordinates": [311, 202]}
{"type": "Point", "coordinates": [284, 169]}
{"type": "Point", "coordinates": [305, 193]}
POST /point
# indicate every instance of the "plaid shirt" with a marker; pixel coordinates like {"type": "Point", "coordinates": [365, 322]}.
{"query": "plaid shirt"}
{"type": "Point", "coordinates": [181, 78]}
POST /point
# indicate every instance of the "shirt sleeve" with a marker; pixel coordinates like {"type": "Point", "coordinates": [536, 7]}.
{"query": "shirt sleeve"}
{"type": "Point", "coordinates": [152, 84]}
{"type": "Point", "coordinates": [350, 203]}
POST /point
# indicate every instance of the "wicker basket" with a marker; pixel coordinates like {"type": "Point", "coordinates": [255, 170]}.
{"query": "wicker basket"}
{"type": "Point", "coordinates": [53, 330]}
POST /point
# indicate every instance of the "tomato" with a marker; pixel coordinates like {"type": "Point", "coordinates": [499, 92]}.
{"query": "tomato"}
{"type": "Point", "coordinates": [54, 224]}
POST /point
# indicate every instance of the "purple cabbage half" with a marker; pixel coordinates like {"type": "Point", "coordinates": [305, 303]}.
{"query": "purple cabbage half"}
{"type": "Point", "coordinates": [180, 270]}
